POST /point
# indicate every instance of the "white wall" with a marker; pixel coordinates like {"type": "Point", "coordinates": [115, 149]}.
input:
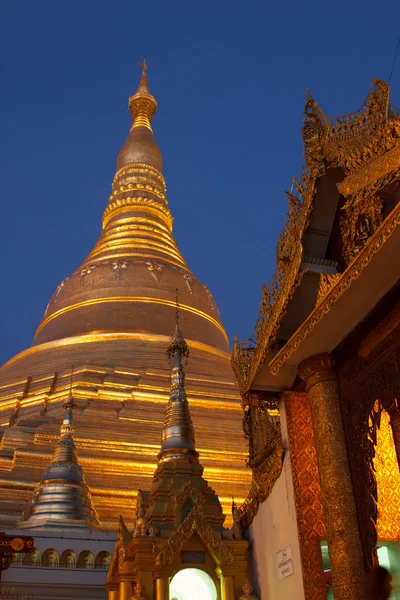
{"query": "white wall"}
{"type": "Point", "coordinates": [54, 583]}
{"type": "Point", "coordinates": [273, 529]}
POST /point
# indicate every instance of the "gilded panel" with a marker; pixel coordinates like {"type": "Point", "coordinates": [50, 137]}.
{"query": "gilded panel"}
{"type": "Point", "coordinates": [307, 492]}
{"type": "Point", "coordinates": [388, 482]}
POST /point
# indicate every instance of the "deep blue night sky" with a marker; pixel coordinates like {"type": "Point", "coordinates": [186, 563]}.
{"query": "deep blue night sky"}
{"type": "Point", "coordinates": [230, 80]}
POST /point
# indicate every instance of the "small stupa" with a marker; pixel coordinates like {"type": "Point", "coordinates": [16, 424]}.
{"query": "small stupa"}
{"type": "Point", "coordinates": [179, 522]}
{"type": "Point", "coordinates": [62, 497]}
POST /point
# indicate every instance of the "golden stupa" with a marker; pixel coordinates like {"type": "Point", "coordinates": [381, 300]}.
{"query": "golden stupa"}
{"type": "Point", "coordinates": [111, 320]}
{"type": "Point", "coordinates": [62, 498]}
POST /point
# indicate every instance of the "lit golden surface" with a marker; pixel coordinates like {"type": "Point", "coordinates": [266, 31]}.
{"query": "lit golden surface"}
{"type": "Point", "coordinates": [111, 319]}
{"type": "Point", "coordinates": [130, 300]}
{"type": "Point", "coordinates": [388, 482]}
{"type": "Point", "coordinates": [119, 418]}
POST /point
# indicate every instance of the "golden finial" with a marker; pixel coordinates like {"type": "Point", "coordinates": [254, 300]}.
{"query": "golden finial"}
{"type": "Point", "coordinates": [143, 81]}
{"type": "Point", "coordinates": [177, 343]}
{"type": "Point", "coordinates": [142, 105]}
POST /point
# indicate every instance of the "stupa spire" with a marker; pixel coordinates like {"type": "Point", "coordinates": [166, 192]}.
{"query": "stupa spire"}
{"type": "Point", "coordinates": [142, 104]}
{"type": "Point", "coordinates": [62, 497]}
{"type": "Point", "coordinates": [177, 441]}
{"type": "Point", "coordinates": [134, 268]}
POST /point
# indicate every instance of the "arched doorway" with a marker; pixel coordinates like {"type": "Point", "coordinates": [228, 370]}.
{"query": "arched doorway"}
{"type": "Point", "coordinates": [192, 584]}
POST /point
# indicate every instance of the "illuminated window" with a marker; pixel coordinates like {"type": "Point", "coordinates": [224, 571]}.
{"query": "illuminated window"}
{"type": "Point", "coordinates": [192, 584]}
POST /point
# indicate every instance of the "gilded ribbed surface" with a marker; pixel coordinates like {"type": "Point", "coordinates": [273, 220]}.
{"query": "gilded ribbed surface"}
{"type": "Point", "coordinates": [340, 518]}
{"type": "Point", "coordinates": [388, 482]}
{"type": "Point", "coordinates": [111, 319]}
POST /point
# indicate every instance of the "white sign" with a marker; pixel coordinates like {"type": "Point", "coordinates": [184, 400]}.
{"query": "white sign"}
{"type": "Point", "coordinates": [284, 563]}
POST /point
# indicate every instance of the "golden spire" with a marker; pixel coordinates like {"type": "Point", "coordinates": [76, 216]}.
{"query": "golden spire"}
{"type": "Point", "coordinates": [142, 105]}
{"type": "Point", "coordinates": [177, 441]}
{"type": "Point", "coordinates": [62, 497]}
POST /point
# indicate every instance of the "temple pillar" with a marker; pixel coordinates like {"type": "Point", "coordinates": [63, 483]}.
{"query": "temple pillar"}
{"type": "Point", "coordinates": [125, 590]}
{"type": "Point", "coordinates": [228, 588]}
{"type": "Point", "coordinates": [113, 595]}
{"type": "Point", "coordinates": [162, 588]}
{"type": "Point", "coordinates": [340, 517]}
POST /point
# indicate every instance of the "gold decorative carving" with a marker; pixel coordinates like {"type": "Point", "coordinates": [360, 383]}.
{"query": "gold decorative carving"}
{"type": "Point", "coordinates": [317, 369]}
{"type": "Point", "coordinates": [361, 216]}
{"type": "Point", "coordinates": [87, 270]}
{"type": "Point", "coordinates": [247, 592]}
{"type": "Point", "coordinates": [380, 166]}
{"type": "Point", "coordinates": [248, 356]}
{"type": "Point", "coordinates": [365, 144]}
{"type": "Point", "coordinates": [116, 265]}
{"type": "Point", "coordinates": [265, 453]}
{"type": "Point", "coordinates": [209, 294]}
{"type": "Point", "coordinates": [326, 281]}
{"type": "Point", "coordinates": [340, 517]}
{"type": "Point", "coordinates": [155, 269]}
{"type": "Point", "coordinates": [139, 592]}
{"type": "Point", "coordinates": [388, 482]}
{"type": "Point", "coordinates": [189, 491]}
{"type": "Point", "coordinates": [142, 168]}
{"type": "Point", "coordinates": [142, 202]}
{"type": "Point", "coordinates": [194, 523]}
{"type": "Point", "coordinates": [189, 282]}
{"type": "Point", "coordinates": [353, 271]}
{"type": "Point", "coordinates": [121, 553]}
{"type": "Point", "coordinates": [335, 135]}
{"type": "Point", "coordinates": [307, 493]}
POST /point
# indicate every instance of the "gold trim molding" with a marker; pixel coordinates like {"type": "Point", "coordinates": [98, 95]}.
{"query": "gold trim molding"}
{"type": "Point", "coordinates": [132, 299]}
{"type": "Point", "coordinates": [102, 336]}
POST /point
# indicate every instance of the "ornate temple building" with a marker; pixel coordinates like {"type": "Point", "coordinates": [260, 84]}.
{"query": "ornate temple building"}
{"type": "Point", "coordinates": [325, 354]}
{"type": "Point", "coordinates": [111, 320]}
{"type": "Point", "coordinates": [319, 388]}
{"type": "Point", "coordinates": [178, 547]}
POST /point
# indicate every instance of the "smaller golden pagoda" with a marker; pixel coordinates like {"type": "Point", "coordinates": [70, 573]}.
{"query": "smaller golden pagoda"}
{"type": "Point", "coordinates": [62, 497]}
{"type": "Point", "coordinates": [178, 529]}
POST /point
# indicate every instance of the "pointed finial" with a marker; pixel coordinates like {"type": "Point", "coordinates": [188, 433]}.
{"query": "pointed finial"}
{"type": "Point", "coordinates": [143, 81]}
{"type": "Point", "coordinates": [69, 406]}
{"type": "Point", "coordinates": [177, 439]}
{"type": "Point", "coordinates": [142, 105]}
{"type": "Point", "coordinates": [176, 308]}
{"type": "Point", "coordinates": [177, 343]}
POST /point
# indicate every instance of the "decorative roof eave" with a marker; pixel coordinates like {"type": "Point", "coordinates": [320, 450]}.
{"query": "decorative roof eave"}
{"type": "Point", "coordinates": [347, 140]}
{"type": "Point", "coordinates": [367, 145]}
{"type": "Point", "coordinates": [340, 285]}
{"type": "Point", "coordinates": [220, 549]}
{"type": "Point", "coordinates": [354, 140]}
{"type": "Point", "coordinates": [374, 175]}
{"type": "Point", "coordinates": [248, 356]}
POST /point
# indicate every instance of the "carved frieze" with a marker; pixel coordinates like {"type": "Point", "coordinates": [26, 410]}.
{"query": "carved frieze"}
{"type": "Point", "coordinates": [265, 450]}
